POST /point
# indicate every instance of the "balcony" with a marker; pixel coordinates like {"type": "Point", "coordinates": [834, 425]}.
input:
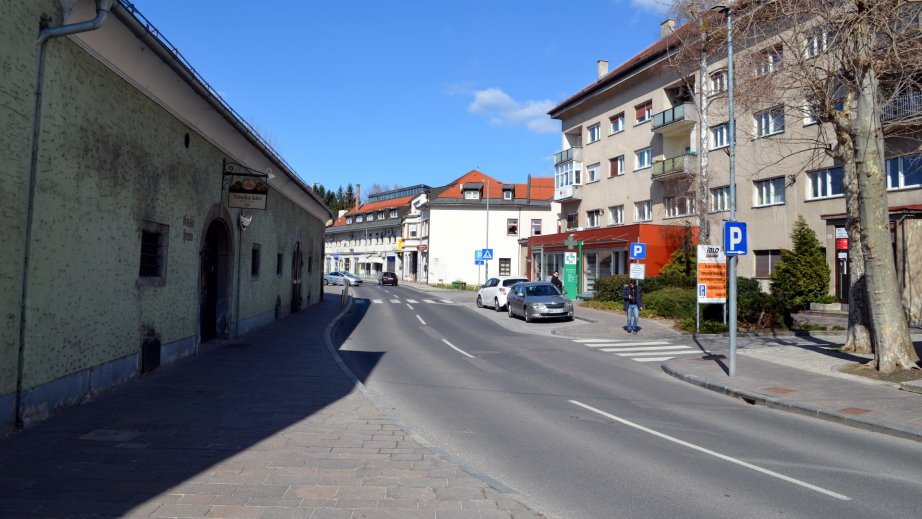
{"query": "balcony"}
{"type": "Point", "coordinates": [677, 120]}
{"type": "Point", "coordinates": [903, 109]}
{"type": "Point", "coordinates": [574, 153]}
{"type": "Point", "coordinates": [570, 192]}
{"type": "Point", "coordinates": [675, 168]}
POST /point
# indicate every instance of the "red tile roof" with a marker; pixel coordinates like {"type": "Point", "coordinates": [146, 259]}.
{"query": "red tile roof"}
{"type": "Point", "coordinates": [374, 206]}
{"type": "Point", "coordinates": [542, 188]}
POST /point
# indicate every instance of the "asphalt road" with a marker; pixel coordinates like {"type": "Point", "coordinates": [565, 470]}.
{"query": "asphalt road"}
{"type": "Point", "coordinates": [583, 434]}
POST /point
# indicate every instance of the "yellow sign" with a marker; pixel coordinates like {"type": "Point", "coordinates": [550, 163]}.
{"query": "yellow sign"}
{"type": "Point", "coordinates": [399, 243]}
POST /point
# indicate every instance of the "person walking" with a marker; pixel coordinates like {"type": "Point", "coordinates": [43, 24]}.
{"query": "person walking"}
{"type": "Point", "coordinates": [633, 304]}
{"type": "Point", "coordinates": [555, 280]}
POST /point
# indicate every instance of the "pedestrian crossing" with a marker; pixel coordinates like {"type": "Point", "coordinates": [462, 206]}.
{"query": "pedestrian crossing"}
{"type": "Point", "coordinates": [640, 351]}
{"type": "Point", "coordinates": [397, 301]}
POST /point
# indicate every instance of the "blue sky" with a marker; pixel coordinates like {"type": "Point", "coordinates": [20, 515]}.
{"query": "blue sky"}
{"type": "Point", "coordinates": [404, 93]}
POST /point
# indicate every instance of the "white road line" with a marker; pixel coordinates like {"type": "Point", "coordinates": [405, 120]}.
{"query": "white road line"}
{"type": "Point", "coordinates": [428, 301]}
{"type": "Point", "coordinates": [583, 341]}
{"type": "Point", "coordinates": [654, 359]}
{"type": "Point", "coordinates": [462, 352]}
{"type": "Point", "coordinates": [641, 354]}
{"type": "Point", "coordinates": [620, 344]}
{"type": "Point", "coordinates": [377, 301]}
{"type": "Point", "coordinates": [421, 320]}
{"type": "Point", "coordinates": [712, 453]}
{"type": "Point", "coordinates": [412, 301]}
{"type": "Point", "coordinates": [646, 348]}
{"type": "Point", "coordinates": [408, 306]}
{"type": "Point", "coordinates": [447, 301]}
{"type": "Point", "coordinates": [395, 300]}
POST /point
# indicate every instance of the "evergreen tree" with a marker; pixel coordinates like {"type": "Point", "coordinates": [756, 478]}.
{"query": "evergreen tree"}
{"type": "Point", "coordinates": [802, 275]}
{"type": "Point", "coordinates": [340, 198]}
{"type": "Point", "coordinates": [348, 200]}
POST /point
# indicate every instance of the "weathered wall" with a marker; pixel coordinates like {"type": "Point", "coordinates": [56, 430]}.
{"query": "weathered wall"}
{"type": "Point", "coordinates": [110, 158]}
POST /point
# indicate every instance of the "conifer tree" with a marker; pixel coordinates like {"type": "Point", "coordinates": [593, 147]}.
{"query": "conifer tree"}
{"type": "Point", "coordinates": [802, 275]}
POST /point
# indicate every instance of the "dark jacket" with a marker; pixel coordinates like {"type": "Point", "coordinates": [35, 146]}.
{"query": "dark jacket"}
{"type": "Point", "coordinates": [632, 296]}
{"type": "Point", "coordinates": [557, 283]}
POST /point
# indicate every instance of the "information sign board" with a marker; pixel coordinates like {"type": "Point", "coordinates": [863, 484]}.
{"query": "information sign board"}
{"type": "Point", "coordinates": [712, 274]}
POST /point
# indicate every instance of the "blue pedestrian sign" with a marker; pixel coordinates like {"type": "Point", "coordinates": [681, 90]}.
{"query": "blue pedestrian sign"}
{"type": "Point", "coordinates": [735, 240]}
{"type": "Point", "coordinates": [478, 262]}
{"type": "Point", "coordinates": [638, 250]}
{"type": "Point", "coordinates": [486, 254]}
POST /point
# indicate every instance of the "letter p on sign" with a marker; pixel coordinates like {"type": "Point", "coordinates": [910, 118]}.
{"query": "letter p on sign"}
{"type": "Point", "coordinates": [735, 241]}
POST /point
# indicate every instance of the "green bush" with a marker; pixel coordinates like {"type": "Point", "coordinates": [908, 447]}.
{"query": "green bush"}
{"type": "Point", "coordinates": [689, 325]}
{"type": "Point", "coordinates": [672, 303]}
{"type": "Point", "coordinates": [754, 308]}
{"type": "Point", "coordinates": [826, 300]}
{"type": "Point", "coordinates": [802, 275]}
{"type": "Point", "coordinates": [609, 288]}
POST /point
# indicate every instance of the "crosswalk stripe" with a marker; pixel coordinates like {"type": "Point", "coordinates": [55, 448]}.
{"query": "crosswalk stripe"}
{"type": "Point", "coordinates": [641, 354]}
{"type": "Point", "coordinates": [653, 359]}
{"type": "Point", "coordinates": [377, 301]}
{"type": "Point", "coordinates": [395, 300]}
{"type": "Point", "coordinates": [428, 301]}
{"type": "Point", "coordinates": [623, 344]}
{"type": "Point", "coordinates": [447, 301]}
{"type": "Point", "coordinates": [412, 301]}
{"type": "Point", "coordinates": [584, 341]}
{"type": "Point", "coordinates": [646, 348]}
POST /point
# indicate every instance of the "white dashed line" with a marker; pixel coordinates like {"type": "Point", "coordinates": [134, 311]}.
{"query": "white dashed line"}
{"type": "Point", "coordinates": [395, 300]}
{"type": "Point", "coordinates": [642, 354]}
{"type": "Point", "coordinates": [421, 320]}
{"type": "Point", "coordinates": [428, 301]}
{"type": "Point", "coordinates": [645, 348]}
{"type": "Point", "coordinates": [377, 301]}
{"type": "Point", "coordinates": [624, 344]}
{"type": "Point", "coordinates": [408, 306]}
{"type": "Point", "coordinates": [462, 352]}
{"type": "Point", "coordinates": [412, 301]}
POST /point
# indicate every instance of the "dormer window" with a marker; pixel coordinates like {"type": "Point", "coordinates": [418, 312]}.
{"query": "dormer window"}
{"type": "Point", "coordinates": [371, 217]}
{"type": "Point", "coordinates": [380, 215]}
{"type": "Point", "coordinates": [348, 220]}
{"type": "Point", "coordinates": [507, 195]}
{"type": "Point", "coordinates": [359, 218]}
{"type": "Point", "coordinates": [508, 192]}
{"type": "Point", "coordinates": [393, 213]}
{"type": "Point", "coordinates": [472, 190]}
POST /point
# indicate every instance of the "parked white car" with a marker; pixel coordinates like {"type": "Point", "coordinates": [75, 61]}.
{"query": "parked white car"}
{"type": "Point", "coordinates": [340, 277]}
{"type": "Point", "coordinates": [494, 291]}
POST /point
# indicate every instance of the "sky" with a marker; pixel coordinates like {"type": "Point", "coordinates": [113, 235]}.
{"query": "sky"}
{"type": "Point", "coordinates": [408, 92]}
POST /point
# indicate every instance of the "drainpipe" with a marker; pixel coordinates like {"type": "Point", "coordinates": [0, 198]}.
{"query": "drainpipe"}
{"type": "Point", "coordinates": [45, 34]}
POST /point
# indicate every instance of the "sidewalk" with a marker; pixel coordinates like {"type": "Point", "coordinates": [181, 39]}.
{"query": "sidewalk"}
{"type": "Point", "coordinates": [806, 380]}
{"type": "Point", "coordinates": [266, 427]}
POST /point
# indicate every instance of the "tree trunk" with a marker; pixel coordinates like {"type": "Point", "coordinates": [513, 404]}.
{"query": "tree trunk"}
{"type": "Point", "coordinates": [704, 226]}
{"type": "Point", "coordinates": [858, 338]}
{"type": "Point", "coordinates": [893, 346]}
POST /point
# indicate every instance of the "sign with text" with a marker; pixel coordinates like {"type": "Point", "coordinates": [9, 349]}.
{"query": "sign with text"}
{"type": "Point", "coordinates": [248, 193]}
{"type": "Point", "coordinates": [638, 271]}
{"type": "Point", "coordinates": [712, 274]}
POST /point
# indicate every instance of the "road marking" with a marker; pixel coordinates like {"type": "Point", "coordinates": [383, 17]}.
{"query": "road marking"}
{"type": "Point", "coordinates": [395, 300]}
{"type": "Point", "coordinates": [583, 341]}
{"type": "Point", "coordinates": [377, 301]}
{"type": "Point", "coordinates": [653, 359]}
{"type": "Point", "coordinates": [408, 306]}
{"type": "Point", "coordinates": [646, 348]}
{"type": "Point", "coordinates": [620, 344]}
{"type": "Point", "coordinates": [421, 320]}
{"type": "Point", "coordinates": [713, 453]}
{"type": "Point", "coordinates": [462, 352]}
{"type": "Point", "coordinates": [447, 301]}
{"type": "Point", "coordinates": [641, 354]}
{"type": "Point", "coordinates": [428, 301]}
{"type": "Point", "coordinates": [412, 301]}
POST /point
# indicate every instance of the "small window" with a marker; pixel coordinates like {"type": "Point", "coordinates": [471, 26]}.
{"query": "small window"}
{"type": "Point", "coordinates": [815, 43]}
{"type": "Point", "coordinates": [643, 158]}
{"type": "Point", "coordinates": [643, 211]}
{"type": "Point", "coordinates": [254, 261]}
{"type": "Point", "coordinates": [393, 213]}
{"type": "Point", "coordinates": [616, 166]}
{"type": "Point", "coordinates": [348, 220]}
{"type": "Point", "coordinates": [536, 227]}
{"type": "Point", "coordinates": [766, 262]}
{"type": "Point", "coordinates": [359, 218]}
{"type": "Point", "coordinates": [616, 215]}
{"type": "Point", "coordinates": [720, 198]}
{"type": "Point", "coordinates": [768, 192]}
{"type": "Point", "coordinates": [769, 60]}
{"type": "Point", "coordinates": [412, 230]}
{"type": "Point", "coordinates": [810, 116]}
{"type": "Point", "coordinates": [279, 261]}
{"type": "Point", "coordinates": [154, 239]}
{"type": "Point", "coordinates": [593, 218]}
{"type": "Point", "coordinates": [643, 112]}
{"type": "Point", "coordinates": [592, 172]}
{"type": "Point", "coordinates": [720, 136]}
{"type": "Point", "coordinates": [512, 226]}
{"type": "Point", "coordinates": [380, 215]}
{"type": "Point", "coordinates": [616, 124]}
{"type": "Point", "coordinates": [571, 221]}
{"type": "Point", "coordinates": [595, 132]}
{"type": "Point", "coordinates": [904, 172]}
{"type": "Point", "coordinates": [507, 194]}
{"type": "Point", "coordinates": [505, 266]}
{"type": "Point", "coordinates": [679, 206]}
{"type": "Point", "coordinates": [769, 122]}
{"type": "Point", "coordinates": [719, 82]}
{"type": "Point", "coordinates": [471, 194]}
{"type": "Point", "coordinates": [825, 183]}
{"type": "Point", "coordinates": [371, 217]}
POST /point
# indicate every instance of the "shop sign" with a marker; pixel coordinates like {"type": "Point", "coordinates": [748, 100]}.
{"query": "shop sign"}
{"type": "Point", "coordinates": [712, 274]}
{"type": "Point", "coordinates": [248, 193]}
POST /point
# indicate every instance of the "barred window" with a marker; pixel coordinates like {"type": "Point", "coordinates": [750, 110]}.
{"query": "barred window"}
{"type": "Point", "coordinates": [154, 240]}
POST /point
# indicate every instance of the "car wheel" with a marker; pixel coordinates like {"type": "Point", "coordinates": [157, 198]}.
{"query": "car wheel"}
{"type": "Point", "coordinates": [479, 302]}
{"type": "Point", "coordinates": [528, 318]}
{"type": "Point", "coordinates": [496, 305]}
{"type": "Point", "coordinates": [509, 309]}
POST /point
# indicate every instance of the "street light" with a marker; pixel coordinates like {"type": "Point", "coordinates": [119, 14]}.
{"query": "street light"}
{"type": "Point", "coordinates": [724, 8]}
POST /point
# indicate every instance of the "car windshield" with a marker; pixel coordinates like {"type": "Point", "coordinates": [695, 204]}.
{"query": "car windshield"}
{"type": "Point", "coordinates": [541, 290]}
{"type": "Point", "coordinates": [510, 282]}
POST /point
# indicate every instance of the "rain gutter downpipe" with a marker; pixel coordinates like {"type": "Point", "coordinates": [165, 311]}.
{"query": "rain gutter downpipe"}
{"type": "Point", "coordinates": [47, 33]}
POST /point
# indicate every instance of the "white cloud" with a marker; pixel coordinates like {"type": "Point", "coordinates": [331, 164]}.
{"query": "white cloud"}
{"type": "Point", "coordinates": [501, 109]}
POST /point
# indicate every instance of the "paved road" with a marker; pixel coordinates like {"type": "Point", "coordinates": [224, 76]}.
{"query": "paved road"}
{"type": "Point", "coordinates": [589, 433]}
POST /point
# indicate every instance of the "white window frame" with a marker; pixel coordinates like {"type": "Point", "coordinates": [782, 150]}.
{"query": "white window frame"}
{"type": "Point", "coordinates": [675, 204]}
{"type": "Point", "coordinates": [616, 215]}
{"type": "Point", "coordinates": [769, 60]}
{"type": "Point", "coordinates": [567, 174]}
{"type": "Point", "coordinates": [720, 136]}
{"type": "Point", "coordinates": [472, 194]}
{"type": "Point", "coordinates": [769, 122]}
{"type": "Point", "coordinates": [815, 43]}
{"type": "Point", "coordinates": [900, 163]}
{"type": "Point", "coordinates": [370, 217]}
{"type": "Point", "coordinates": [381, 215]}
{"type": "Point", "coordinates": [536, 226]}
{"type": "Point", "coordinates": [616, 124]}
{"type": "Point", "coordinates": [594, 132]}
{"type": "Point", "coordinates": [359, 218]}
{"type": "Point", "coordinates": [619, 162]}
{"type": "Point", "coordinates": [507, 194]}
{"type": "Point", "coordinates": [720, 199]}
{"type": "Point", "coordinates": [768, 190]}
{"type": "Point", "coordinates": [592, 172]}
{"type": "Point", "coordinates": [641, 154]}
{"type": "Point", "coordinates": [648, 112]}
{"type": "Point", "coordinates": [643, 211]}
{"type": "Point", "coordinates": [809, 113]}
{"type": "Point", "coordinates": [393, 213]}
{"type": "Point", "coordinates": [593, 218]}
{"type": "Point", "coordinates": [821, 184]}
{"type": "Point", "coordinates": [349, 220]}
{"type": "Point", "coordinates": [718, 82]}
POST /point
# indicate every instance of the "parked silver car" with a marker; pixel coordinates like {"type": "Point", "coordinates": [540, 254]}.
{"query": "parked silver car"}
{"type": "Point", "coordinates": [494, 291]}
{"type": "Point", "coordinates": [340, 277]}
{"type": "Point", "coordinates": [538, 300]}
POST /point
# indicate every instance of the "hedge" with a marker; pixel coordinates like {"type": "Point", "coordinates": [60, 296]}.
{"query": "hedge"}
{"type": "Point", "coordinates": [672, 303]}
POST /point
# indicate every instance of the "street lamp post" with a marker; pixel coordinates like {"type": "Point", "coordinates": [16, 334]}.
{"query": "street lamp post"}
{"type": "Point", "coordinates": [724, 8]}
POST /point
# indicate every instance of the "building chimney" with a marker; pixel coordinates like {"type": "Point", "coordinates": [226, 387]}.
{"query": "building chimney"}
{"type": "Point", "coordinates": [358, 195]}
{"type": "Point", "coordinates": [666, 27]}
{"type": "Point", "coordinates": [602, 68]}
{"type": "Point", "coordinates": [528, 190]}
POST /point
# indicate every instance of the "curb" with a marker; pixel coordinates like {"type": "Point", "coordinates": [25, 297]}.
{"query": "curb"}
{"type": "Point", "coordinates": [441, 454]}
{"type": "Point", "coordinates": [795, 407]}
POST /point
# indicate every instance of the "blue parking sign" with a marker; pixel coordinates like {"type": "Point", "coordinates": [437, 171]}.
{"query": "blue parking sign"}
{"type": "Point", "coordinates": [638, 250]}
{"type": "Point", "coordinates": [735, 239]}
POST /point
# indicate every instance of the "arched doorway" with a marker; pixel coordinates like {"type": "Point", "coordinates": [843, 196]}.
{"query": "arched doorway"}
{"type": "Point", "coordinates": [297, 265]}
{"type": "Point", "coordinates": [215, 268]}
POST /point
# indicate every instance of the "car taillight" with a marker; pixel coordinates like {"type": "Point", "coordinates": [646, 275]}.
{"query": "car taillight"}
{"type": "Point", "coordinates": [502, 290]}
